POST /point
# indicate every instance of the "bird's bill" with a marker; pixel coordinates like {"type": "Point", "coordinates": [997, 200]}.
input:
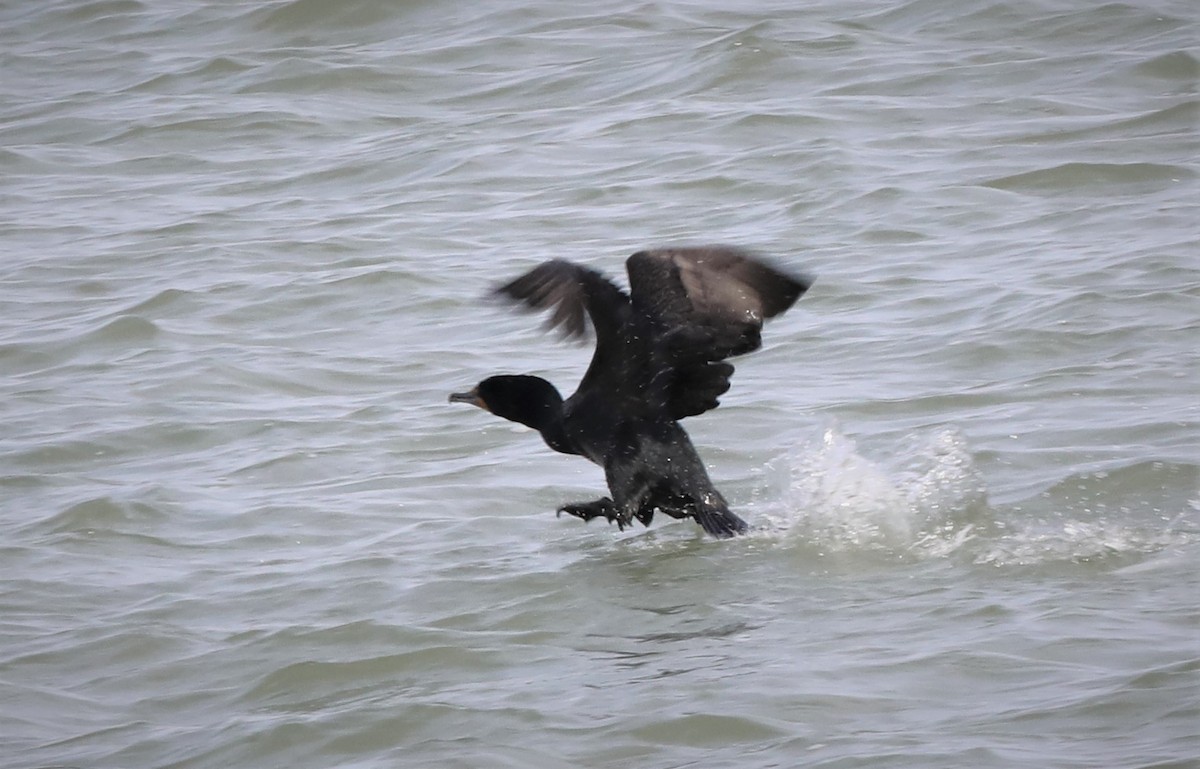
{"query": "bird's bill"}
{"type": "Point", "coordinates": [471, 396]}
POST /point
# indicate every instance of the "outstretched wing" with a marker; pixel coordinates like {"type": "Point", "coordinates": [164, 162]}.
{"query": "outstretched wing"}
{"type": "Point", "coordinates": [572, 293]}
{"type": "Point", "coordinates": [703, 305]}
{"type": "Point", "coordinates": [569, 291]}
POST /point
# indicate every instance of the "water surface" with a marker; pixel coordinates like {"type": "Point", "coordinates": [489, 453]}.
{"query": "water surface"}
{"type": "Point", "coordinates": [244, 250]}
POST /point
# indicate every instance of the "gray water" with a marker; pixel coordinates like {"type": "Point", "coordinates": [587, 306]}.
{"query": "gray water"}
{"type": "Point", "coordinates": [243, 250]}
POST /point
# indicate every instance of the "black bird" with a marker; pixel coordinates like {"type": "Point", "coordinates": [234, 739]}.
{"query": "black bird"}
{"type": "Point", "coordinates": [660, 356]}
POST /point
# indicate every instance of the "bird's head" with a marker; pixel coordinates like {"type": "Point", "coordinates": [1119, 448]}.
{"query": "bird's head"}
{"type": "Point", "coordinates": [529, 400]}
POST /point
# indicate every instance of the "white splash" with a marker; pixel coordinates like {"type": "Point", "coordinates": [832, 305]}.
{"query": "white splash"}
{"type": "Point", "coordinates": [920, 499]}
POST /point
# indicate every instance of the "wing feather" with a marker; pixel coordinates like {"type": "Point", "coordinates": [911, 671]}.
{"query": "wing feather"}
{"type": "Point", "coordinates": [573, 295]}
{"type": "Point", "coordinates": [662, 347]}
{"type": "Point", "coordinates": [560, 287]}
{"type": "Point", "coordinates": [704, 304]}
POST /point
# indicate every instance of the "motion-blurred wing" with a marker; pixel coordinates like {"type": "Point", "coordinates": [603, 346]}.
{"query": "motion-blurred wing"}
{"type": "Point", "coordinates": [705, 304]}
{"type": "Point", "coordinates": [722, 290]}
{"type": "Point", "coordinates": [569, 291]}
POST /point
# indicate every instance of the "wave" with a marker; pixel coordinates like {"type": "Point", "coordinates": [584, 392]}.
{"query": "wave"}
{"type": "Point", "coordinates": [1098, 175]}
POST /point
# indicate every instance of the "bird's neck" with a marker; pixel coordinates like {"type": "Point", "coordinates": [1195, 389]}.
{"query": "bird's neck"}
{"type": "Point", "coordinates": [555, 435]}
{"type": "Point", "coordinates": [544, 413]}
{"type": "Point", "coordinates": [549, 421]}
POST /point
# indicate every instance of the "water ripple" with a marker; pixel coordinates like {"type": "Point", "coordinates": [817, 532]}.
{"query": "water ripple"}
{"type": "Point", "coordinates": [245, 249]}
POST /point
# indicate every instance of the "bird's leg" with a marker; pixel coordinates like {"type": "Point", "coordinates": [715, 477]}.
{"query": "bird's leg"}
{"type": "Point", "coordinates": [677, 506]}
{"type": "Point", "coordinates": [645, 513]}
{"type": "Point", "coordinates": [601, 508]}
{"type": "Point", "coordinates": [674, 505]}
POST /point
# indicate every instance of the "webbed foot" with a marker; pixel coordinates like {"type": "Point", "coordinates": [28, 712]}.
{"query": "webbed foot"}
{"type": "Point", "coordinates": [601, 508]}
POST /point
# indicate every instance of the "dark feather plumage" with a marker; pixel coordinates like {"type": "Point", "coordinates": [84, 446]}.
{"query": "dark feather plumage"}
{"type": "Point", "coordinates": [660, 356]}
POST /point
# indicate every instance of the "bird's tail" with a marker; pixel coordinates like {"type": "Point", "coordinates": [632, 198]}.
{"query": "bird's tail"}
{"type": "Point", "coordinates": [718, 520]}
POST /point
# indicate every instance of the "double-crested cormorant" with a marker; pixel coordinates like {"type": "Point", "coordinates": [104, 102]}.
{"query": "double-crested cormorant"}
{"type": "Point", "coordinates": [660, 356]}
